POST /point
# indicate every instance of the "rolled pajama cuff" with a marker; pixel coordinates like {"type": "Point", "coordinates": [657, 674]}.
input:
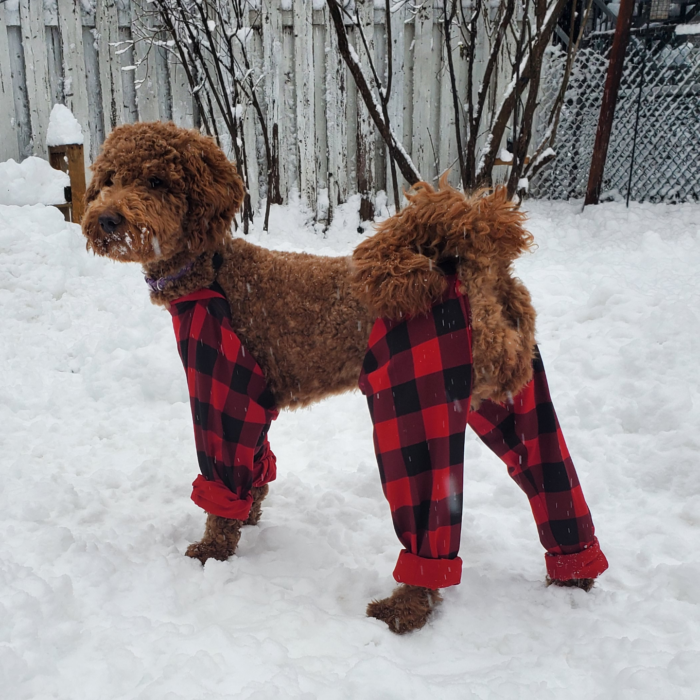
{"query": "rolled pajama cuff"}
{"type": "Point", "coordinates": [429, 573]}
{"type": "Point", "coordinates": [215, 498]}
{"type": "Point", "coordinates": [588, 563]}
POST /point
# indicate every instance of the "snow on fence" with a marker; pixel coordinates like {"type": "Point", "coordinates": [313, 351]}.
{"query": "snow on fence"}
{"type": "Point", "coordinates": [655, 135]}
{"type": "Point", "coordinates": [80, 54]}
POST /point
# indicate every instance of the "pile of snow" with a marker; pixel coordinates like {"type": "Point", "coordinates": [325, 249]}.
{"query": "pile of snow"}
{"type": "Point", "coordinates": [33, 181]}
{"type": "Point", "coordinates": [97, 455]}
{"type": "Point", "coordinates": [64, 128]}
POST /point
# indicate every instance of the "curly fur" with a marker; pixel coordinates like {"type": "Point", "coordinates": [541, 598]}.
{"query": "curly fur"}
{"type": "Point", "coordinates": [171, 195]}
{"type": "Point", "coordinates": [396, 274]}
{"type": "Point", "coordinates": [408, 608]}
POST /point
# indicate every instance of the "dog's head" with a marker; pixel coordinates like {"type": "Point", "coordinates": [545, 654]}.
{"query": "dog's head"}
{"type": "Point", "coordinates": [158, 190]}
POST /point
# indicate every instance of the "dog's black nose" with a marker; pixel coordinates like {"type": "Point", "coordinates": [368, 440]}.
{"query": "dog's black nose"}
{"type": "Point", "coordinates": [110, 221]}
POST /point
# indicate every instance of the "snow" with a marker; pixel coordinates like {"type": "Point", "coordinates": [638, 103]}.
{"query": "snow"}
{"type": "Point", "coordinates": [506, 156]}
{"type": "Point", "coordinates": [97, 455]}
{"type": "Point", "coordinates": [33, 181]}
{"type": "Point", "coordinates": [64, 128]}
{"type": "Point", "coordinates": [688, 28]}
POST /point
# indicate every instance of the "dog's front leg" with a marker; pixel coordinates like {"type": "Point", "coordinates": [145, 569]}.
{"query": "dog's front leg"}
{"type": "Point", "coordinates": [220, 539]}
{"type": "Point", "coordinates": [221, 535]}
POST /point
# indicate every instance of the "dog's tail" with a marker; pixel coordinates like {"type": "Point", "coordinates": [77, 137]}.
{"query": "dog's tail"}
{"type": "Point", "coordinates": [396, 271]}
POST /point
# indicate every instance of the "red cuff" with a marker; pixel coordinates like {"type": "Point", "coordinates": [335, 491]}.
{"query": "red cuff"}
{"type": "Point", "coordinates": [589, 563]}
{"type": "Point", "coordinates": [215, 498]}
{"type": "Point", "coordinates": [429, 573]}
{"type": "Point", "coordinates": [265, 467]}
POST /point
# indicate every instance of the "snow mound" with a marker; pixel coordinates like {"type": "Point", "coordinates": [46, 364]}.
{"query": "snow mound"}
{"type": "Point", "coordinates": [64, 129]}
{"type": "Point", "coordinates": [33, 181]}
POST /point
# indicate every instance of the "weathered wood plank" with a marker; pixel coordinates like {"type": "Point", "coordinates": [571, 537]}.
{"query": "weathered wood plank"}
{"type": "Point", "coordinates": [336, 122]}
{"type": "Point", "coordinates": [55, 67]}
{"type": "Point", "coordinates": [74, 78]}
{"type": "Point", "coordinates": [305, 113]}
{"type": "Point", "coordinates": [36, 72]}
{"type": "Point", "coordinates": [107, 30]}
{"type": "Point", "coordinates": [423, 93]}
{"type": "Point", "coordinates": [365, 125]}
{"type": "Point", "coordinates": [9, 145]}
{"type": "Point", "coordinates": [125, 60]}
{"type": "Point", "coordinates": [145, 80]}
{"type": "Point", "coordinates": [320, 129]}
{"type": "Point", "coordinates": [351, 122]}
{"type": "Point", "coordinates": [96, 122]}
{"type": "Point", "coordinates": [396, 96]}
{"type": "Point", "coordinates": [447, 142]}
{"type": "Point", "coordinates": [19, 90]}
{"type": "Point", "coordinates": [183, 104]}
{"type": "Point", "coordinates": [289, 152]}
{"type": "Point", "coordinates": [272, 61]}
{"type": "Point", "coordinates": [247, 121]}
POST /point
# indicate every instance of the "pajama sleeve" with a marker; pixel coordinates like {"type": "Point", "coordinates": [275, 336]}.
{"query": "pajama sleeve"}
{"type": "Point", "coordinates": [232, 408]}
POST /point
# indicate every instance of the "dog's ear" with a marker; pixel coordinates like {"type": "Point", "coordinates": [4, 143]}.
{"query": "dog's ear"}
{"type": "Point", "coordinates": [214, 192]}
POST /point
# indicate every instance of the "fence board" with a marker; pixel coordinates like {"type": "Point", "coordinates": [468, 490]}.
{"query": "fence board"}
{"type": "Point", "coordinates": [289, 156]}
{"type": "Point", "coordinates": [447, 141]}
{"type": "Point", "coordinates": [145, 79]}
{"type": "Point", "coordinates": [423, 93]}
{"type": "Point", "coordinates": [396, 105]}
{"type": "Point", "coordinates": [365, 125]}
{"type": "Point", "coordinates": [36, 72]}
{"type": "Point", "coordinates": [320, 129]}
{"type": "Point", "coordinates": [125, 62]}
{"type": "Point", "coordinates": [96, 120]}
{"type": "Point", "coordinates": [272, 48]}
{"type": "Point", "coordinates": [304, 75]}
{"type": "Point", "coordinates": [75, 80]}
{"type": "Point", "coordinates": [9, 147]}
{"type": "Point", "coordinates": [336, 101]}
{"type": "Point", "coordinates": [107, 27]}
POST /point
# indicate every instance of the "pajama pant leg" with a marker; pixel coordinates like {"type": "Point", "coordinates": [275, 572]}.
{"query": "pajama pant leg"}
{"type": "Point", "coordinates": [526, 435]}
{"type": "Point", "coordinates": [417, 378]}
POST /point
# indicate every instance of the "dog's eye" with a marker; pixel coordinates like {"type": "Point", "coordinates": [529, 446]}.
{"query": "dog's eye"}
{"type": "Point", "coordinates": [154, 182]}
{"type": "Point", "coordinates": [108, 182]}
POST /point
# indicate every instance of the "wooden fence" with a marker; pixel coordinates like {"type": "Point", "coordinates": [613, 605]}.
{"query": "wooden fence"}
{"type": "Point", "coordinates": [56, 51]}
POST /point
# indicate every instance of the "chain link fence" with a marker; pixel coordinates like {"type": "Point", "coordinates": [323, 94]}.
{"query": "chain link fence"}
{"type": "Point", "coordinates": [654, 151]}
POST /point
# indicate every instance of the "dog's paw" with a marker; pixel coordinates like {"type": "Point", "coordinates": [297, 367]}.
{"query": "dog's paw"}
{"type": "Point", "coordinates": [220, 540]}
{"type": "Point", "coordinates": [584, 584]}
{"type": "Point", "coordinates": [407, 609]}
{"type": "Point", "coordinates": [208, 550]}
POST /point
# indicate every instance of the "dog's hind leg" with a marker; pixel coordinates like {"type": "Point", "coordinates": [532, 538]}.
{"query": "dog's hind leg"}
{"type": "Point", "coordinates": [259, 493]}
{"type": "Point", "coordinates": [220, 539]}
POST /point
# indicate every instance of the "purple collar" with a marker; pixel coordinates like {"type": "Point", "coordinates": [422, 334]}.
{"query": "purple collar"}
{"type": "Point", "coordinates": [158, 285]}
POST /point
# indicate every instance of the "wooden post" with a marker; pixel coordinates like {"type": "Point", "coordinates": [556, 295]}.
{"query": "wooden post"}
{"type": "Point", "coordinates": [607, 108]}
{"type": "Point", "coordinates": [70, 160]}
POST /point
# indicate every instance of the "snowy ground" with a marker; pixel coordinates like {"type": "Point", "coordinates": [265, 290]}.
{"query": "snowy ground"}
{"type": "Point", "coordinates": [96, 459]}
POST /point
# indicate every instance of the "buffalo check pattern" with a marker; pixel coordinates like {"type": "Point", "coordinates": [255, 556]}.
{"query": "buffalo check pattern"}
{"type": "Point", "coordinates": [526, 435]}
{"type": "Point", "coordinates": [417, 377]}
{"type": "Point", "coordinates": [232, 407]}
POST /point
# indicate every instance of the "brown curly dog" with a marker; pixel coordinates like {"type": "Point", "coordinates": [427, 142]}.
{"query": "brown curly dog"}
{"type": "Point", "coordinates": [165, 197]}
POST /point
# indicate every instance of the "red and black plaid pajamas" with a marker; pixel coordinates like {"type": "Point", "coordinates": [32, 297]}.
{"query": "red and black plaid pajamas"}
{"type": "Point", "coordinates": [417, 376]}
{"type": "Point", "coordinates": [232, 407]}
